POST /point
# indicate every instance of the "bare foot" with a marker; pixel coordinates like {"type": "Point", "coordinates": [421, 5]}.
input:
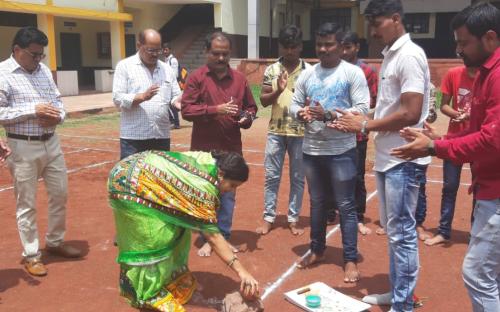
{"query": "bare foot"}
{"type": "Point", "coordinates": [436, 240]}
{"type": "Point", "coordinates": [422, 235]}
{"type": "Point", "coordinates": [205, 250]}
{"type": "Point", "coordinates": [380, 231]}
{"type": "Point", "coordinates": [363, 229]}
{"type": "Point", "coordinates": [351, 273]}
{"type": "Point", "coordinates": [294, 229]}
{"type": "Point", "coordinates": [311, 259]}
{"type": "Point", "coordinates": [265, 228]}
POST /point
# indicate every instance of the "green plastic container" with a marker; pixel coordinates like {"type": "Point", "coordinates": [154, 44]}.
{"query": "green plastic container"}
{"type": "Point", "coordinates": [313, 301]}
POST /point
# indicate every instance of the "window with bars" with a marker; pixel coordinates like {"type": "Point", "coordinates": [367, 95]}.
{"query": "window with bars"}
{"type": "Point", "coordinates": [341, 16]}
{"type": "Point", "coordinates": [417, 23]}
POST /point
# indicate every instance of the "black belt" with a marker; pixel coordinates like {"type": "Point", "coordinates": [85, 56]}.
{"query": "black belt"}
{"type": "Point", "coordinates": [43, 137]}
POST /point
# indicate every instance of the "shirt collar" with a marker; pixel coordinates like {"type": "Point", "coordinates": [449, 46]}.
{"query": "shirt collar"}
{"type": "Point", "coordinates": [301, 66]}
{"type": "Point", "coordinates": [14, 65]}
{"type": "Point", "coordinates": [397, 44]}
{"type": "Point", "coordinates": [138, 61]}
{"type": "Point", "coordinates": [492, 60]}
{"type": "Point", "coordinates": [229, 72]}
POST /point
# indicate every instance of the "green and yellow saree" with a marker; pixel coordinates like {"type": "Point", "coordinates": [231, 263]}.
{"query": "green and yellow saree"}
{"type": "Point", "coordinates": [158, 198]}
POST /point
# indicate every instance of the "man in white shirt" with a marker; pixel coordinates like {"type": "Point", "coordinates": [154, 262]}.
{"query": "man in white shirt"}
{"type": "Point", "coordinates": [402, 101]}
{"type": "Point", "coordinates": [30, 110]}
{"type": "Point", "coordinates": [143, 89]}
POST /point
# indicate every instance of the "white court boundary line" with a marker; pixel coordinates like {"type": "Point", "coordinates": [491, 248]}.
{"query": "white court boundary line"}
{"type": "Point", "coordinates": [269, 290]}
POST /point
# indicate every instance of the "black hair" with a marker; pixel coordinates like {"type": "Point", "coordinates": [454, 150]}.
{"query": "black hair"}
{"type": "Point", "coordinates": [349, 37]}
{"type": "Point", "coordinates": [28, 35]}
{"type": "Point", "coordinates": [387, 8]}
{"type": "Point", "coordinates": [166, 45]}
{"type": "Point", "coordinates": [232, 164]}
{"type": "Point", "coordinates": [216, 35]}
{"type": "Point", "coordinates": [478, 19]}
{"type": "Point", "coordinates": [290, 36]}
{"type": "Point", "coordinates": [327, 29]}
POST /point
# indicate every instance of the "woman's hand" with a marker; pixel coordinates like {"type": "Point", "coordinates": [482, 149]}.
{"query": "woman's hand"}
{"type": "Point", "coordinates": [249, 287]}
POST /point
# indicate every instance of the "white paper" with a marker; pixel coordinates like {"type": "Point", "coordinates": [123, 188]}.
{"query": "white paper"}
{"type": "Point", "coordinates": [331, 300]}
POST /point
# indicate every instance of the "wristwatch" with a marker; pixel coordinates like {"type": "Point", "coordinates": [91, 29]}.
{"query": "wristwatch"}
{"type": "Point", "coordinates": [328, 116]}
{"type": "Point", "coordinates": [363, 127]}
{"type": "Point", "coordinates": [430, 148]}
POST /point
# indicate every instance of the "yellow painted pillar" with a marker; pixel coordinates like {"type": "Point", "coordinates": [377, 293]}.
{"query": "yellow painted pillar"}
{"type": "Point", "coordinates": [117, 29]}
{"type": "Point", "coordinates": [45, 23]}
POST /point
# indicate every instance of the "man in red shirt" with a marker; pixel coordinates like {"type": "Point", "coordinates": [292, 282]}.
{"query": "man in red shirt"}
{"type": "Point", "coordinates": [456, 87]}
{"type": "Point", "coordinates": [218, 100]}
{"type": "Point", "coordinates": [477, 33]}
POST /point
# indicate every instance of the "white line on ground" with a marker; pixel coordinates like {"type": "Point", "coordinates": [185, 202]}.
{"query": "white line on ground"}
{"type": "Point", "coordinates": [269, 290]}
{"type": "Point", "coordinates": [69, 171]}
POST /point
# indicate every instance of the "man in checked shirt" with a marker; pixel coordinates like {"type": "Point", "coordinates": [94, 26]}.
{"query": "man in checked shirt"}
{"type": "Point", "coordinates": [30, 110]}
{"type": "Point", "coordinates": [143, 89]}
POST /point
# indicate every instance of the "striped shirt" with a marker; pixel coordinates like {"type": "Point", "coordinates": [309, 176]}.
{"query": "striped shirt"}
{"type": "Point", "coordinates": [149, 119]}
{"type": "Point", "coordinates": [20, 92]}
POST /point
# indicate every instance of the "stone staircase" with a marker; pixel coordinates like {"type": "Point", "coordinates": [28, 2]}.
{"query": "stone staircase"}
{"type": "Point", "coordinates": [194, 56]}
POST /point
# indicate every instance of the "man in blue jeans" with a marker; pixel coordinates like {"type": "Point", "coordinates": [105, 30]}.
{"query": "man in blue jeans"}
{"type": "Point", "coordinates": [402, 101]}
{"type": "Point", "coordinates": [285, 134]}
{"type": "Point", "coordinates": [329, 155]}
{"type": "Point", "coordinates": [477, 33]}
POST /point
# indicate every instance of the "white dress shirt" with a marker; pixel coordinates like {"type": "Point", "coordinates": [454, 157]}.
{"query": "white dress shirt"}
{"type": "Point", "coordinates": [404, 69]}
{"type": "Point", "coordinates": [20, 92]}
{"type": "Point", "coordinates": [149, 119]}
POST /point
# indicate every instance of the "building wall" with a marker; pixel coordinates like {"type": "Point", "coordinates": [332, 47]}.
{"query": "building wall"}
{"type": "Point", "coordinates": [149, 15]}
{"type": "Point", "coordinates": [88, 37]}
{"type": "Point", "coordinates": [429, 6]}
{"type": "Point", "coordinates": [7, 34]}
{"type": "Point", "coordinates": [99, 5]}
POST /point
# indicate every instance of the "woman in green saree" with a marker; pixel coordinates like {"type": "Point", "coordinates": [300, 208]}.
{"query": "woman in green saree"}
{"type": "Point", "coordinates": [158, 198]}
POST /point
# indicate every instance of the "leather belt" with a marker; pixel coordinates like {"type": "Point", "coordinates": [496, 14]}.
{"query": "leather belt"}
{"type": "Point", "coordinates": [43, 137]}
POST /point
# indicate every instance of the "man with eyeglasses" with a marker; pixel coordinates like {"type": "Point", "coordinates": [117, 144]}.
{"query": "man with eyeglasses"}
{"type": "Point", "coordinates": [30, 110]}
{"type": "Point", "coordinates": [218, 101]}
{"type": "Point", "coordinates": [143, 90]}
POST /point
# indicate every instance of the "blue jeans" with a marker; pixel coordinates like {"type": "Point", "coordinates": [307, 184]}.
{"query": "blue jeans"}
{"type": "Point", "coordinates": [277, 146]}
{"type": "Point", "coordinates": [360, 188]}
{"type": "Point", "coordinates": [129, 147]}
{"type": "Point", "coordinates": [398, 192]}
{"type": "Point", "coordinates": [481, 267]}
{"type": "Point", "coordinates": [451, 182]}
{"type": "Point", "coordinates": [225, 213]}
{"type": "Point", "coordinates": [421, 212]}
{"type": "Point", "coordinates": [327, 176]}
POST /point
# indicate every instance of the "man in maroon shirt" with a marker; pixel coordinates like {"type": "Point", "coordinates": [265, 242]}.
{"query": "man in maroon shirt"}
{"type": "Point", "coordinates": [218, 100]}
{"type": "Point", "coordinates": [477, 33]}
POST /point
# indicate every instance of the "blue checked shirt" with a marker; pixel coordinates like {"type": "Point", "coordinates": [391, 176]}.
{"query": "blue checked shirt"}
{"type": "Point", "coordinates": [149, 119]}
{"type": "Point", "coordinates": [20, 92]}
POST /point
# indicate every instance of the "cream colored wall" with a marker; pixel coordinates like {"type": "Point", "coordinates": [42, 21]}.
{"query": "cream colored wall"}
{"type": "Point", "coordinates": [99, 5]}
{"type": "Point", "coordinates": [7, 34]}
{"type": "Point", "coordinates": [88, 37]}
{"type": "Point", "coordinates": [149, 15]}
{"type": "Point", "coordinates": [234, 16]}
{"type": "Point", "coordinates": [31, 1]}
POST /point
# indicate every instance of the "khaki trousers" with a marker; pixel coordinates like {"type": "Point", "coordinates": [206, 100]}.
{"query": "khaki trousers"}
{"type": "Point", "coordinates": [31, 160]}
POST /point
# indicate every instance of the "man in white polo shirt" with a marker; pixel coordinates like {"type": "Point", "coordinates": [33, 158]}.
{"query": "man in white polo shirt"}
{"type": "Point", "coordinates": [402, 101]}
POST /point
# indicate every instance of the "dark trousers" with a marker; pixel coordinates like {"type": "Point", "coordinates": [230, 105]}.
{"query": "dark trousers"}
{"type": "Point", "coordinates": [129, 147]}
{"type": "Point", "coordinates": [174, 116]}
{"type": "Point", "coordinates": [332, 176]}
{"type": "Point", "coordinates": [360, 189]}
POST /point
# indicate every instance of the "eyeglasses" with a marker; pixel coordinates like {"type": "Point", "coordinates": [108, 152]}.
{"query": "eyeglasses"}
{"type": "Point", "coordinates": [35, 55]}
{"type": "Point", "coordinates": [153, 51]}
